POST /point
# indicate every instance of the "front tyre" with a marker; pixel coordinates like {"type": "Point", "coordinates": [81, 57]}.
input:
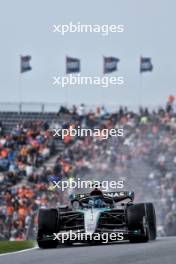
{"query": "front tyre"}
{"type": "Point", "coordinates": [47, 225]}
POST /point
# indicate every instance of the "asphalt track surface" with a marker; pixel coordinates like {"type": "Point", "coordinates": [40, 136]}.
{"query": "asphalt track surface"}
{"type": "Point", "coordinates": [162, 251]}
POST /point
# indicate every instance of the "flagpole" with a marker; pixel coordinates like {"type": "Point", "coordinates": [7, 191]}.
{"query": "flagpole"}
{"type": "Point", "coordinates": [102, 88]}
{"type": "Point", "coordinates": [20, 91]}
{"type": "Point", "coordinates": [145, 65]}
{"type": "Point", "coordinates": [66, 88]}
{"type": "Point", "coordinates": [20, 87]}
{"type": "Point", "coordinates": [140, 85]}
{"type": "Point", "coordinates": [140, 89]}
{"type": "Point", "coordinates": [67, 95]}
{"type": "Point", "coordinates": [24, 67]}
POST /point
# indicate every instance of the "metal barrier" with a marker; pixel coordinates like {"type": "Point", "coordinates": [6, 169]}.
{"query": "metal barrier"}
{"type": "Point", "coordinates": [54, 107]}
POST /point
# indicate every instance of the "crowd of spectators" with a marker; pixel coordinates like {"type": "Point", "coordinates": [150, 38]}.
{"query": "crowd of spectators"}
{"type": "Point", "coordinates": [22, 151]}
{"type": "Point", "coordinates": [145, 158]}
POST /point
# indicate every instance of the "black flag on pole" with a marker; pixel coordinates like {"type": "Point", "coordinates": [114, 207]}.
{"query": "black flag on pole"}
{"type": "Point", "coordinates": [145, 64]}
{"type": "Point", "coordinates": [72, 65]}
{"type": "Point", "coordinates": [25, 64]}
{"type": "Point", "coordinates": [110, 64]}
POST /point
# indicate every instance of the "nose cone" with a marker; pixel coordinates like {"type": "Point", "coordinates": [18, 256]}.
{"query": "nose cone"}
{"type": "Point", "coordinates": [91, 217]}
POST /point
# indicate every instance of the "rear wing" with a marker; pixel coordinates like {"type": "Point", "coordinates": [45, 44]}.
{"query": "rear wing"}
{"type": "Point", "coordinates": [116, 196]}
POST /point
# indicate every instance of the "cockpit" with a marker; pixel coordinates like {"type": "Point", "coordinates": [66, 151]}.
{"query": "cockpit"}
{"type": "Point", "coordinates": [94, 202]}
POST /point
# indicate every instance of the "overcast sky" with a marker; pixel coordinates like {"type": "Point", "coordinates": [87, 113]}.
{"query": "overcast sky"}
{"type": "Point", "coordinates": [26, 29]}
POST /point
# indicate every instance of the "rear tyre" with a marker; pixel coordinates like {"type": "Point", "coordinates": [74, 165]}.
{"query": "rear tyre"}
{"type": "Point", "coordinates": [141, 218]}
{"type": "Point", "coordinates": [47, 225]}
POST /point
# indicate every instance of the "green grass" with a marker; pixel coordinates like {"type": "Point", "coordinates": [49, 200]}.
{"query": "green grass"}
{"type": "Point", "coordinates": [12, 246]}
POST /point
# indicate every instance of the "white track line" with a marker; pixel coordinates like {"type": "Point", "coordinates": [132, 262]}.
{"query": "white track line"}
{"type": "Point", "coordinates": [16, 252]}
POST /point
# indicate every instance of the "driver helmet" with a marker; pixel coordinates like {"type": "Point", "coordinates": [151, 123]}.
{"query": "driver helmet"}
{"type": "Point", "coordinates": [97, 192]}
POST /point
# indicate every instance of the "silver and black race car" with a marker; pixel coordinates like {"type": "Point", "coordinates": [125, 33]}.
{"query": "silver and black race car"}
{"type": "Point", "coordinates": [97, 213]}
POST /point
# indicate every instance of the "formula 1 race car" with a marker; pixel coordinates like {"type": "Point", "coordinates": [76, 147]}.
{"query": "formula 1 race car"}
{"type": "Point", "coordinates": [97, 212]}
